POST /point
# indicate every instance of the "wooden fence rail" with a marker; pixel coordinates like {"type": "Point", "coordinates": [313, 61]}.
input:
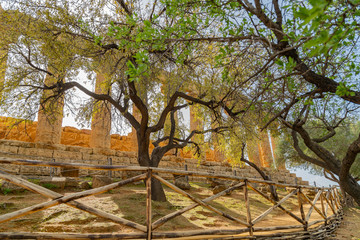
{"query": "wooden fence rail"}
{"type": "Point", "coordinates": [324, 199]}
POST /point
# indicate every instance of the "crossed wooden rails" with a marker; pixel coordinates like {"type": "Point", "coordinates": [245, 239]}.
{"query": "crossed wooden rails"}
{"type": "Point", "coordinates": [329, 198]}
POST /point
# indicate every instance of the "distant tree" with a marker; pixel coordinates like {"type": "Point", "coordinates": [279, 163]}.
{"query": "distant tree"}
{"type": "Point", "coordinates": [346, 133]}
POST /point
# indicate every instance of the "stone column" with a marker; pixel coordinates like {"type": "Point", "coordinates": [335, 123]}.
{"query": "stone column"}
{"type": "Point", "coordinates": [265, 150]}
{"type": "Point", "coordinates": [50, 116]}
{"type": "Point", "coordinates": [101, 119]}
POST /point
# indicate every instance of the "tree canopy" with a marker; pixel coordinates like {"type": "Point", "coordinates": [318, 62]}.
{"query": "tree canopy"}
{"type": "Point", "coordinates": [285, 64]}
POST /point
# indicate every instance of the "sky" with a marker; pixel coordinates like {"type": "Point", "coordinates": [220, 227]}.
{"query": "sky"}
{"type": "Point", "coordinates": [321, 181]}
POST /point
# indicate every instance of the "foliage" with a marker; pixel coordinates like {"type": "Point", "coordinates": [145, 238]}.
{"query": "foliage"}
{"type": "Point", "coordinates": [345, 134]}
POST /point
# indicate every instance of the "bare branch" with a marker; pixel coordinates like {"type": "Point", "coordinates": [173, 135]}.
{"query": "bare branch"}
{"type": "Point", "coordinates": [302, 154]}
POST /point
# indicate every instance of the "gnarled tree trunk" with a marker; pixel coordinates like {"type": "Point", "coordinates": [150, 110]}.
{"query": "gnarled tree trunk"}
{"type": "Point", "coordinates": [157, 191]}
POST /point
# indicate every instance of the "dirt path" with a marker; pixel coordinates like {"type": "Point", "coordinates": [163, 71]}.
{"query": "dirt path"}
{"type": "Point", "coordinates": [121, 202]}
{"type": "Point", "coordinates": [350, 226]}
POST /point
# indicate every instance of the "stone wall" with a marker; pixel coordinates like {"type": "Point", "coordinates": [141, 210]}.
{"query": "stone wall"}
{"type": "Point", "coordinates": [15, 129]}
{"type": "Point", "coordinates": [97, 156]}
{"type": "Point", "coordinates": [20, 130]}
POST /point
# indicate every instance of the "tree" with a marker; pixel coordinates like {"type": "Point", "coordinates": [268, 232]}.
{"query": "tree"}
{"type": "Point", "coordinates": [148, 80]}
{"type": "Point", "coordinates": [307, 55]}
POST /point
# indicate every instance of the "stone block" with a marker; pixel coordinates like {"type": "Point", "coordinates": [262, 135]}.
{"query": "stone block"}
{"type": "Point", "coordinates": [304, 183]}
{"type": "Point", "coordinates": [67, 155]}
{"type": "Point", "coordinates": [100, 181]}
{"type": "Point", "coordinates": [22, 144]}
{"type": "Point", "coordinates": [181, 182]}
{"type": "Point", "coordinates": [34, 152]}
{"type": "Point", "coordinates": [133, 161]}
{"type": "Point", "coordinates": [79, 149]}
{"type": "Point", "coordinates": [104, 151]}
{"type": "Point", "coordinates": [48, 153]}
{"type": "Point", "coordinates": [69, 172]}
{"type": "Point", "coordinates": [85, 156]}
{"type": "Point", "coordinates": [71, 182]}
{"type": "Point", "coordinates": [119, 153]}
{"type": "Point", "coordinates": [9, 149]}
{"type": "Point", "coordinates": [98, 157]}
{"type": "Point", "coordinates": [84, 185]}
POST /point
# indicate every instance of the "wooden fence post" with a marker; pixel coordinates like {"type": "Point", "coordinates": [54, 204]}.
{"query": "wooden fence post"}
{"type": "Point", "coordinates": [301, 207]}
{"type": "Point", "coordinates": [323, 206]}
{"type": "Point", "coordinates": [248, 212]}
{"type": "Point", "coordinates": [148, 204]}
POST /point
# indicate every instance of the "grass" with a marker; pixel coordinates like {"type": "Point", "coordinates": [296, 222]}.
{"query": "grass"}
{"type": "Point", "coordinates": [6, 191]}
{"type": "Point", "coordinates": [34, 180]}
{"type": "Point", "coordinates": [49, 186]}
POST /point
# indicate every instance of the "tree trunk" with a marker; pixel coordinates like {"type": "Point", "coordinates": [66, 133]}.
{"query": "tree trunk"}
{"type": "Point", "coordinates": [352, 188]}
{"type": "Point", "coordinates": [157, 191]}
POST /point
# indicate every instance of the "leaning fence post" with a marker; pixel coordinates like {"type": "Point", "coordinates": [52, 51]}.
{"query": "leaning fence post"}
{"type": "Point", "coordinates": [148, 203]}
{"type": "Point", "coordinates": [322, 205]}
{"type": "Point", "coordinates": [301, 207]}
{"type": "Point", "coordinates": [110, 164]}
{"type": "Point", "coordinates": [247, 204]}
{"type": "Point", "coordinates": [186, 176]}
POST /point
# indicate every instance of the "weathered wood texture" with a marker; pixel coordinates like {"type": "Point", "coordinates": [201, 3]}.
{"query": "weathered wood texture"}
{"type": "Point", "coordinates": [329, 198]}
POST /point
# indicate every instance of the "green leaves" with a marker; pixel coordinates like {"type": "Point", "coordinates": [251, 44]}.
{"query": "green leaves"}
{"type": "Point", "coordinates": [140, 67]}
{"type": "Point", "coordinates": [344, 90]}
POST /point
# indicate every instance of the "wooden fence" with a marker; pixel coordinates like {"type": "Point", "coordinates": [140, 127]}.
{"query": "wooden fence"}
{"type": "Point", "coordinates": [326, 202]}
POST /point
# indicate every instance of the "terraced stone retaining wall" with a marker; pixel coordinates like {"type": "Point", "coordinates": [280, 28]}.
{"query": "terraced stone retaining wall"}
{"type": "Point", "coordinates": [99, 156]}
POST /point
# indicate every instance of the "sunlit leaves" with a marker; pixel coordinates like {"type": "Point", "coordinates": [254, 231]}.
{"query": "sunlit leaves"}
{"type": "Point", "coordinates": [344, 90]}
